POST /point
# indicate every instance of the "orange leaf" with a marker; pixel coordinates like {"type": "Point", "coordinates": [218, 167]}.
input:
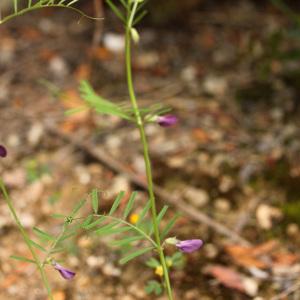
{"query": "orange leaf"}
{"type": "Point", "coordinates": [227, 277]}
{"type": "Point", "coordinates": [201, 135]}
{"type": "Point", "coordinates": [285, 259]}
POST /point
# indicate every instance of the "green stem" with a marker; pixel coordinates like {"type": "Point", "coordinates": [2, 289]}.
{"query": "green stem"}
{"type": "Point", "coordinates": [144, 141]}
{"type": "Point", "coordinates": [37, 6]}
{"type": "Point", "coordinates": [15, 6]}
{"type": "Point", "coordinates": [54, 244]}
{"type": "Point", "coordinates": [26, 239]}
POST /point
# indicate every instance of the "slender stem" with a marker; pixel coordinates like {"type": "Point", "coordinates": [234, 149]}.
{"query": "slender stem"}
{"type": "Point", "coordinates": [54, 244]}
{"type": "Point", "coordinates": [37, 6]}
{"type": "Point", "coordinates": [26, 239]}
{"type": "Point", "coordinates": [15, 6]}
{"type": "Point", "coordinates": [146, 155]}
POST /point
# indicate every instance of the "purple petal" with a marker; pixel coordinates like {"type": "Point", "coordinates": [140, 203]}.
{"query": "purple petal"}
{"type": "Point", "coordinates": [3, 151]}
{"type": "Point", "coordinates": [167, 120]}
{"type": "Point", "coordinates": [189, 246]}
{"type": "Point", "coordinates": [65, 273]}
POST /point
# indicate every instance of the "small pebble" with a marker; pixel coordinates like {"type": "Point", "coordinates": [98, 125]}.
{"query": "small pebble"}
{"type": "Point", "coordinates": [292, 229]}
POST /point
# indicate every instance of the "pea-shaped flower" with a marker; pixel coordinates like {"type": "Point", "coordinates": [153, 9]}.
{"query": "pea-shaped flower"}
{"type": "Point", "coordinates": [189, 246]}
{"type": "Point", "coordinates": [3, 151]}
{"type": "Point", "coordinates": [65, 273]}
{"type": "Point", "coordinates": [167, 120]}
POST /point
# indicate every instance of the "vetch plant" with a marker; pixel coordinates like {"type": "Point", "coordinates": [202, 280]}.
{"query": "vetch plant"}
{"type": "Point", "coordinates": [134, 233]}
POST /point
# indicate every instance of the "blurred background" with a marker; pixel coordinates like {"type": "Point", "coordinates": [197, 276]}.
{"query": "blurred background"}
{"type": "Point", "coordinates": [230, 72]}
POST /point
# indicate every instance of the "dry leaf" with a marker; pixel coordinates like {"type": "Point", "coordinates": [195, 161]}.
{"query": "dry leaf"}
{"type": "Point", "coordinates": [285, 259]}
{"type": "Point", "coordinates": [233, 279]}
{"type": "Point", "coordinates": [252, 256]}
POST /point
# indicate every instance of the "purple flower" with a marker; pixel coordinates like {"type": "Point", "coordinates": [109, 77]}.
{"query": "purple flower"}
{"type": "Point", "coordinates": [65, 273]}
{"type": "Point", "coordinates": [167, 120]}
{"type": "Point", "coordinates": [3, 151]}
{"type": "Point", "coordinates": [189, 246]}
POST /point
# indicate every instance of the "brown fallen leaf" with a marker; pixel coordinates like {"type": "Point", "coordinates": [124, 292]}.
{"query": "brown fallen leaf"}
{"type": "Point", "coordinates": [265, 248]}
{"type": "Point", "coordinates": [233, 279]}
{"type": "Point", "coordinates": [252, 256]}
{"type": "Point", "coordinates": [201, 135]}
{"type": "Point", "coordinates": [285, 259]}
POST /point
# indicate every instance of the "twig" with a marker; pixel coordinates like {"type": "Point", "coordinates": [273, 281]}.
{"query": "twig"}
{"type": "Point", "coordinates": [117, 167]}
{"type": "Point", "coordinates": [99, 13]}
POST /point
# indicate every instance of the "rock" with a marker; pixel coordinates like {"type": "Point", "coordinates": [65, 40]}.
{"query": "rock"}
{"type": "Point", "coordinates": [191, 294]}
{"type": "Point", "coordinates": [250, 285]}
{"type": "Point", "coordinates": [139, 164]}
{"type": "Point", "coordinates": [137, 291]}
{"type": "Point", "coordinates": [120, 183]}
{"type": "Point", "coordinates": [210, 250]}
{"type": "Point", "coordinates": [265, 214]}
{"type": "Point", "coordinates": [114, 143]}
{"type": "Point", "coordinates": [83, 174]}
{"type": "Point", "coordinates": [85, 242]}
{"type": "Point", "coordinates": [110, 270]}
{"type": "Point", "coordinates": [222, 205]}
{"type": "Point", "coordinates": [189, 73]}
{"type": "Point", "coordinates": [58, 67]}
{"type": "Point", "coordinates": [292, 230]}
{"type": "Point", "coordinates": [27, 220]}
{"type": "Point", "coordinates": [216, 86]}
{"type": "Point", "coordinates": [177, 161]}
{"type": "Point", "coordinates": [226, 184]}
{"type": "Point", "coordinates": [13, 140]}
{"type": "Point", "coordinates": [114, 42]}
{"type": "Point", "coordinates": [197, 197]}
{"type": "Point", "coordinates": [95, 261]}
{"type": "Point", "coordinates": [147, 60]}
{"type": "Point", "coordinates": [35, 134]}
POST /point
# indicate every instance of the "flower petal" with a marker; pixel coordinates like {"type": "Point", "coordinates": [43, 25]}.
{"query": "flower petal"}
{"type": "Point", "coordinates": [3, 151]}
{"type": "Point", "coordinates": [189, 246]}
{"type": "Point", "coordinates": [65, 273]}
{"type": "Point", "coordinates": [167, 120]}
